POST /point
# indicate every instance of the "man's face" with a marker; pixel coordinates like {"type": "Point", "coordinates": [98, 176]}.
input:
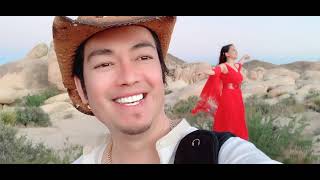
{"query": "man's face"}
{"type": "Point", "coordinates": [123, 79]}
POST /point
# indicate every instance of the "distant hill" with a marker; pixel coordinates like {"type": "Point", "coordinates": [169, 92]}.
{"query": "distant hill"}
{"type": "Point", "coordinates": [257, 63]}
{"type": "Point", "coordinates": [175, 59]}
{"type": "Point", "coordinates": [300, 66]}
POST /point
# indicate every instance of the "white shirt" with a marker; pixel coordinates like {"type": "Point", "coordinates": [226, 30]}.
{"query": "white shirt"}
{"type": "Point", "coordinates": [234, 151]}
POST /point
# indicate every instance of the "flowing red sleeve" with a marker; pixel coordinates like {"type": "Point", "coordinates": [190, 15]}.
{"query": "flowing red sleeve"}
{"type": "Point", "coordinates": [210, 95]}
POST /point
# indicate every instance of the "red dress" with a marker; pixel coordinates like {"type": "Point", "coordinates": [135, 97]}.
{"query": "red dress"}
{"type": "Point", "coordinates": [222, 97]}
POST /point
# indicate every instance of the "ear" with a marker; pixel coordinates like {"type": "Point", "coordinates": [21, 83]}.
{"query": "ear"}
{"type": "Point", "coordinates": [80, 90]}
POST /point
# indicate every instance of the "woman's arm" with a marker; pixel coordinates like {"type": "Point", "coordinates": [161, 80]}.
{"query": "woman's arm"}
{"type": "Point", "coordinates": [210, 71]}
{"type": "Point", "coordinates": [244, 58]}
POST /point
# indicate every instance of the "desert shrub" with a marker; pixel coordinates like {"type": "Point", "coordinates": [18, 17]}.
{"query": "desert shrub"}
{"type": "Point", "coordinates": [182, 109]}
{"type": "Point", "coordinates": [37, 100]}
{"type": "Point", "coordinates": [313, 100]}
{"type": "Point", "coordinates": [8, 117]}
{"type": "Point", "coordinates": [20, 150]}
{"type": "Point", "coordinates": [285, 143]}
{"type": "Point", "coordinates": [32, 116]}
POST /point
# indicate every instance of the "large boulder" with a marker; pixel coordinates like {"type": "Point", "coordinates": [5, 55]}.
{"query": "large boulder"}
{"type": "Point", "coordinates": [54, 74]}
{"type": "Point", "coordinates": [58, 98]}
{"type": "Point", "coordinates": [31, 74]}
{"type": "Point", "coordinates": [191, 73]}
{"type": "Point", "coordinates": [253, 75]}
{"type": "Point", "coordinates": [279, 81]}
{"type": "Point", "coordinates": [279, 72]}
{"type": "Point", "coordinates": [311, 75]}
{"type": "Point", "coordinates": [9, 95]}
{"type": "Point", "coordinates": [313, 121]}
{"type": "Point", "coordinates": [38, 51]}
{"type": "Point", "coordinates": [301, 93]}
{"type": "Point", "coordinates": [172, 85]}
{"type": "Point", "coordinates": [254, 88]}
{"type": "Point", "coordinates": [56, 107]}
{"type": "Point", "coordinates": [257, 73]}
{"type": "Point", "coordinates": [256, 85]}
{"type": "Point", "coordinates": [275, 100]}
{"type": "Point", "coordinates": [22, 78]}
{"type": "Point", "coordinates": [281, 90]}
{"type": "Point", "coordinates": [184, 93]}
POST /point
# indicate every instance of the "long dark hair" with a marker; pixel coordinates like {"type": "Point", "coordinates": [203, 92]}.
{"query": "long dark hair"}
{"type": "Point", "coordinates": [224, 50]}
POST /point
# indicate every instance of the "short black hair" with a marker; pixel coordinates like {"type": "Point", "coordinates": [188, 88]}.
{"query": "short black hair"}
{"type": "Point", "coordinates": [79, 59]}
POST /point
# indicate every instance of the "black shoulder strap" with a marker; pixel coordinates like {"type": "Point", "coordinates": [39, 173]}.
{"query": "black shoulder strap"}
{"type": "Point", "coordinates": [223, 137]}
{"type": "Point", "coordinates": [200, 147]}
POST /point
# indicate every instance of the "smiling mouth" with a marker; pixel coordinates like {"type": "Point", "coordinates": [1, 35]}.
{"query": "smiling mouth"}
{"type": "Point", "coordinates": [131, 100]}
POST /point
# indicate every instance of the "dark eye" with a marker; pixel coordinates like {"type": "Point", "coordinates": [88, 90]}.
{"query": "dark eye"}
{"type": "Point", "coordinates": [104, 65]}
{"type": "Point", "coordinates": [143, 58]}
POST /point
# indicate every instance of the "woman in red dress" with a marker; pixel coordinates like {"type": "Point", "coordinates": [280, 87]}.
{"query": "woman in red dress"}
{"type": "Point", "coordinates": [222, 94]}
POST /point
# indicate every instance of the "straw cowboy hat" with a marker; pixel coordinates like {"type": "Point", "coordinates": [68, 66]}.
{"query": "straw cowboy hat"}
{"type": "Point", "coordinates": [69, 34]}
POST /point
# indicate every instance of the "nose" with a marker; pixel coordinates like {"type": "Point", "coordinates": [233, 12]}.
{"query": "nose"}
{"type": "Point", "coordinates": [128, 75]}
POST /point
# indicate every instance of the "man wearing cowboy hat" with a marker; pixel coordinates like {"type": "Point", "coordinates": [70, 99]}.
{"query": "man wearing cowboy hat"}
{"type": "Point", "coordinates": [113, 68]}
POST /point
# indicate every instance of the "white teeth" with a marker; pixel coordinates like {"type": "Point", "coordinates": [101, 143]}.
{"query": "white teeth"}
{"type": "Point", "coordinates": [130, 100]}
{"type": "Point", "coordinates": [133, 104]}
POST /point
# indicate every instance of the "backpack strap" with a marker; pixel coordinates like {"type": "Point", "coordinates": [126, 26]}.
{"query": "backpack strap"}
{"type": "Point", "coordinates": [200, 147]}
{"type": "Point", "coordinates": [223, 137]}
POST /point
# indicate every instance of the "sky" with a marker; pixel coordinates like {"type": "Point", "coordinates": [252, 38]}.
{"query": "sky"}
{"type": "Point", "coordinates": [273, 39]}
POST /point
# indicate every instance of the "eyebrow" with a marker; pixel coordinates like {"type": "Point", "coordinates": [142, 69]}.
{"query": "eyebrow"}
{"type": "Point", "coordinates": [105, 52]}
{"type": "Point", "coordinates": [99, 52]}
{"type": "Point", "coordinates": [142, 45]}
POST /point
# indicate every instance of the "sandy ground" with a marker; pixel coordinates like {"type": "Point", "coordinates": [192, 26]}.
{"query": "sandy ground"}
{"type": "Point", "coordinates": [78, 129]}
